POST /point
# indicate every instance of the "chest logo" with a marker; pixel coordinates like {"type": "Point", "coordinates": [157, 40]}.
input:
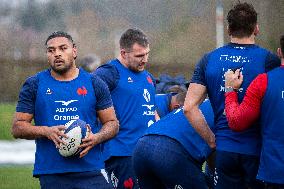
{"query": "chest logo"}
{"type": "Point", "coordinates": [147, 95]}
{"type": "Point", "coordinates": [148, 106]}
{"type": "Point", "coordinates": [48, 91]}
{"type": "Point", "coordinates": [66, 103]}
{"type": "Point", "coordinates": [82, 91]}
{"type": "Point", "coordinates": [149, 79]}
{"type": "Point", "coordinates": [129, 79]}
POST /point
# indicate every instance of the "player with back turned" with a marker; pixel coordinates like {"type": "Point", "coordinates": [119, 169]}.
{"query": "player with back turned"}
{"type": "Point", "coordinates": [237, 154]}
{"type": "Point", "coordinates": [264, 100]}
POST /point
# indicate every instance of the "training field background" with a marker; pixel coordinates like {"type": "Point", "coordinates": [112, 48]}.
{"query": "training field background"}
{"type": "Point", "coordinates": [180, 32]}
{"type": "Point", "coordinates": [13, 176]}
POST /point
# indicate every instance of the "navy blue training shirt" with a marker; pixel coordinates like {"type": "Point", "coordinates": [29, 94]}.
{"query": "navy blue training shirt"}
{"type": "Point", "coordinates": [252, 60]}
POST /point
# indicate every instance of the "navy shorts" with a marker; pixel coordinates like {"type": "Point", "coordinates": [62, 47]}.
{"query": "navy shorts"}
{"type": "Point", "coordinates": [236, 171]}
{"type": "Point", "coordinates": [121, 173]}
{"type": "Point", "coordinates": [209, 177]}
{"type": "Point", "coordinates": [162, 162]}
{"type": "Point", "coordinates": [274, 186]}
{"type": "Point", "coordinates": [81, 180]}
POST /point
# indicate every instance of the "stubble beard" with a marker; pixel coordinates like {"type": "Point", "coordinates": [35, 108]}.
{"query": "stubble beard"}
{"type": "Point", "coordinates": [136, 68]}
{"type": "Point", "coordinates": [61, 70]}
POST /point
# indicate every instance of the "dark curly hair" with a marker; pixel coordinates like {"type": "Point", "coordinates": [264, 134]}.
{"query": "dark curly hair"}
{"type": "Point", "coordinates": [60, 34]}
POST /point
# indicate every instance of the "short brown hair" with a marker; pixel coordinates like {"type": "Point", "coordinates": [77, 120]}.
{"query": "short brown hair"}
{"type": "Point", "coordinates": [242, 19]}
{"type": "Point", "coordinates": [131, 36]}
{"type": "Point", "coordinates": [180, 97]}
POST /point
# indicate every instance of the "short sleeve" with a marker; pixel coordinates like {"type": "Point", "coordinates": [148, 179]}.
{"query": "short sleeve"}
{"type": "Point", "coordinates": [102, 93]}
{"type": "Point", "coordinates": [272, 61]}
{"type": "Point", "coordinates": [109, 74]}
{"type": "Point", "coordinates": [27, 96]}
{"type": "Point", "coordinates": [199, 71]}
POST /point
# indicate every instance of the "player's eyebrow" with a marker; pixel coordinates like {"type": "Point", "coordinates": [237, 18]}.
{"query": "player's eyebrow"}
{"type": "Point", "coordinates": [60, 46]}
{"type": "Point", "coordinates": [143, 54]}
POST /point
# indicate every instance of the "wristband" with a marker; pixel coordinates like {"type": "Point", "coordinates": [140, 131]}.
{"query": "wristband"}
{"type": "Point", "coordinates": [229, 89]}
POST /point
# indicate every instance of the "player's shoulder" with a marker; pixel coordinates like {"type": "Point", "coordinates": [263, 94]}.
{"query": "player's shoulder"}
{"type": "Point", "coordinates": [216, 52]}
{"type": "Point", "coordinates": [151, 76]}
{"type": "Point", "coordinates": [109, 65]}
{"type": "Point", "coordinates": [34, 79]}
{"type": "Point", "coordinates": [107, 68]}
{"type": "Point", "coordinates": [95, 78]}
{"type": "Point", "coordinates": [265, 52]}
{"type": "Point", "coordinates": [148, 73]}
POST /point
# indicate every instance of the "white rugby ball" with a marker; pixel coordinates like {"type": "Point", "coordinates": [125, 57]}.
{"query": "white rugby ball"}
{"type": "Point", "coordinates": [76, 130]}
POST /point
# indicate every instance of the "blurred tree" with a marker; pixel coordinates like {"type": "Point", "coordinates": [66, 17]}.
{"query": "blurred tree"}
{"type": "Point", "coordinates": [5, 10]}
{"type": "Point", "coordinates": [31, 17]}
{"type": "Point", "coordinates": [54, 15]}
{"type": "Point", "coordinates": [39, 17]}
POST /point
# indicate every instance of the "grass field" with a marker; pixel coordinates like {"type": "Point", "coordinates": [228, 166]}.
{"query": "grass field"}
{"type": "Point", "coordinates": [6, 115]}
{"type": "Point", "coordinates": [13, 177]}
{"type": "Point", "coordinates": [17, 177]}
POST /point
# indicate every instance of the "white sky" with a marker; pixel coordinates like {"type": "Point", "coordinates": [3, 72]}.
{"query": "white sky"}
{"type": "Point", "coordinates": [14, 3]}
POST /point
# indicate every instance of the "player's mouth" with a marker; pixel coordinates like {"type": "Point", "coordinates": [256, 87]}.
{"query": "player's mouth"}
{"type": "Point", "coordinates": [141, 65]}
{"type": "Point", "coordinates": [59, 61]}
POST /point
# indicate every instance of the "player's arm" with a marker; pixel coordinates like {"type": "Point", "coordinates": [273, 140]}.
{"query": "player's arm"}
{"type": "Point", "coordinates": [22, 128]}
{"type": "Point", "coordinates": [196, 94]}
{"type": "Point", "coordinates": [157, 117]}
{"type": "Point", "coordinates": [21, 125]}
{"type": "Point", "coordinates": [106, 115]}
{"type": "Point", "coordinates": [110, 127]}
{"type": "Point", "coordinates": [110, 124]}
{"type": "Point", "coordinates": [242, 116]}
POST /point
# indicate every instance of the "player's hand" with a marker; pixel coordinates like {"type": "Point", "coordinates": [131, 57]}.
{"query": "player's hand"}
{"type": "Point", "coordinates": [233, 79]}
{"type": "Point", "coordinates": [55, 134]}
{"type": "Point", "coordinates": [88, 143]}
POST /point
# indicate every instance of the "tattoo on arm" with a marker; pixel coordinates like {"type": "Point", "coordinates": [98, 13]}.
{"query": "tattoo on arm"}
{"type": "Point", "coordinates": [108, 131]}
{"type": "Point", "coordinates": [110, 125]}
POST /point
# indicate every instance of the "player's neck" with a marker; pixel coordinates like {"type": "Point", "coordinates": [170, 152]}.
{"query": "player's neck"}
{"type": "Point", "coordinates": [243, 40]}
{"type": "Point", "coordinates": [121, 60]}
{"type": "Point", "coordinates": [71, 74]}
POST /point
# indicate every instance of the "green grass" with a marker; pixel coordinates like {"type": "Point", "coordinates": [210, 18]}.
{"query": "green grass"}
{"type": "Point", "coordinates": [6, 116]}
{"type": "Point", "coordinates": [17, 177]}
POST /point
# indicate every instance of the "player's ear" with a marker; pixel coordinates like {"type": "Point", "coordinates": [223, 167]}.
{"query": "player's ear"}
{"type": "Point", "coordinates": [279, 53]}
{"type": "Point", "coordinates": [74, 51]}
{"type": "Point", "coordinates": [176, 106]}
{"type": "Point", "coordinates": [123, 53]}
{"type": "Point", "coordinates": [228, 30]}
{"type": "Point", "coordinates": [256, 30]}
